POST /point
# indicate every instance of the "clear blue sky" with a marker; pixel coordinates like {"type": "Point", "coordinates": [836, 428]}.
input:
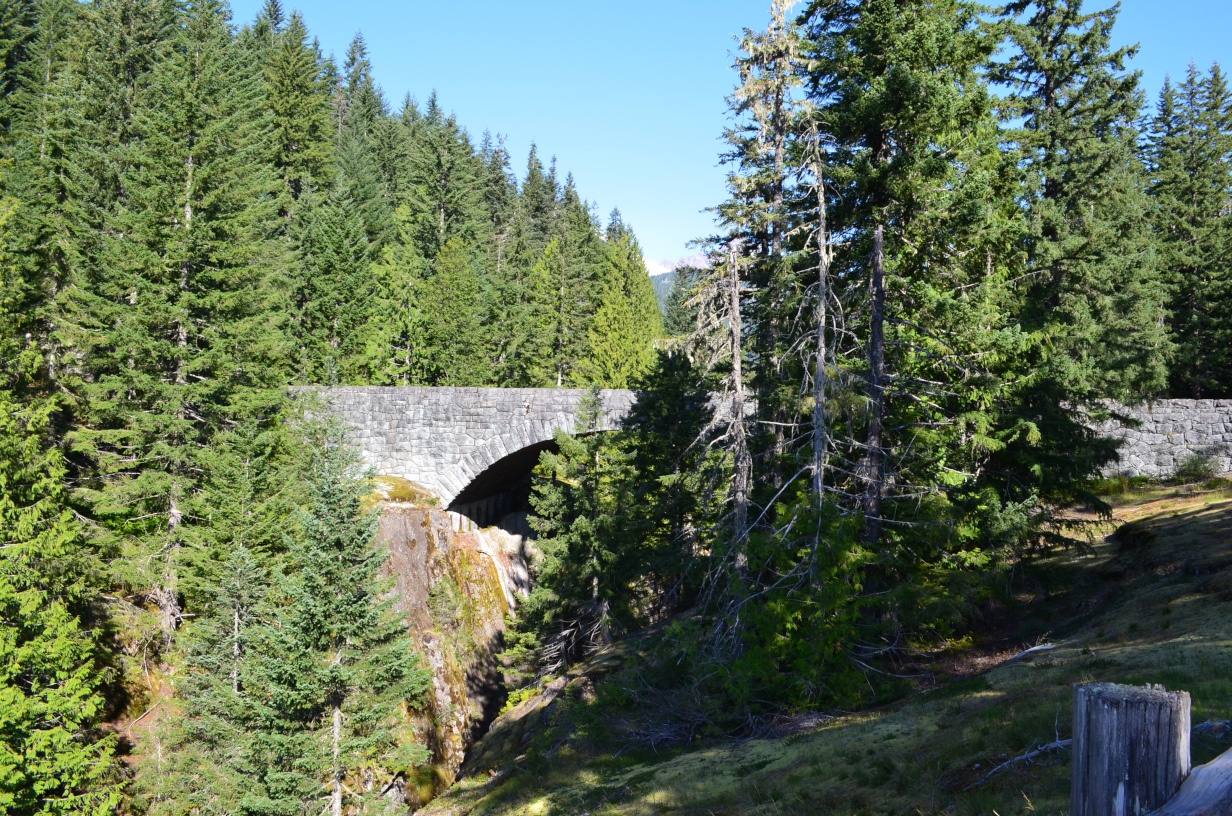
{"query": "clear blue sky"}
{"type": "Point", "coordinates": [629, 96]}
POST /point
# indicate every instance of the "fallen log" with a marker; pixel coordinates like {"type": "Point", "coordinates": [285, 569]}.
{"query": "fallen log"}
{"type": "Point", "coordinates": [1027, 757]}
{"type": "Point", "coordinates": [1207, 791]}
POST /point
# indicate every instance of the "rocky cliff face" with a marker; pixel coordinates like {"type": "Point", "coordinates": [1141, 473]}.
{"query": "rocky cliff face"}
{"type": "Point", "coordinates": [456, 589]}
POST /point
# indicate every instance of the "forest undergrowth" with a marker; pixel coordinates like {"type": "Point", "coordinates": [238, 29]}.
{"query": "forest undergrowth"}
{"type": "Point", "coordinates": [1146, 602]}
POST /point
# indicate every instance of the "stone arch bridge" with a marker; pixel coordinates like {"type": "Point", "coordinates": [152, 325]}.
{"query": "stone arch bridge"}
{"type": "Point", "coordinates": [473, 447]}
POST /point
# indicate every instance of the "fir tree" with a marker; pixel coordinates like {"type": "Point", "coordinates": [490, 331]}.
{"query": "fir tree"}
{"type": "Point", "coordinates": [298, 106]}
{"type": "Point", "coordinates": [396, 347]}
{"type": "Point", "coordinates": [451, 306]}
{"type": "Point", "coordinates": [52, 758]}
{"type": "Point", "coordinates": [444, 184]}
{"type": "Point", "coordinates": [359, 178]}
{"type": "Point", "coordinates": [627, 321]}
{"type": "Point", "coordinates": [1089, 247]}
{"type": "Point", "coordinates": [630, 266]}
{"type": "Point", "coordinates": [1191, 170]}
{"type": "Point", "coordinates": [558, 292]}
{"type": "Point", "coordinates": [335, 293]}
{"type": "Point", "coordinates": [16, 18]}
{"type": "Point", "coordinates": [337, 660]}
{"type": "Point", "coordinates": [581, 505]}
{"type": "Point", "coordinates": [180, 340]}
{"type": "Point", "coordinates": [680, 319]}
{"type": "Point", "coordinates": [500, 187]}
{"type": "Point", "coordinates": [210, 757]}
{"type": "Point", "coordinates": [615, 354]}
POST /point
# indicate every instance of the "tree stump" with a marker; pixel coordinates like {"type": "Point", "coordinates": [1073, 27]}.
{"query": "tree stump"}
{"type": "Point", "coordinates": [1131, 748]}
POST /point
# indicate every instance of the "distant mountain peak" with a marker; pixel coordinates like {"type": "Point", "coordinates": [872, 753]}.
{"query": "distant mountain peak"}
{"type": "Point", "coordinates": [666, 267]}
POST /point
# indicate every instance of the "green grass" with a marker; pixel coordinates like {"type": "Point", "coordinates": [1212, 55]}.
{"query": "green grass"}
{"type": "Point", "coordinates": [1147, 608]}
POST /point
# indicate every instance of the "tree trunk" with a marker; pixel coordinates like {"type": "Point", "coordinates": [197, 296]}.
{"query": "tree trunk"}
{"type": "Point", "coordinates": [1131, 748]}
{"type": "Point", "coordinates": [235, 650]}
{"type": "Point", "coordinates": [740, 446]}
{"type": "Point", "coordinates": [335, 799]}
{"type": "Point", "coordinates": [820, 426]}
{"type": "Point", "coordinates": [876, 393]}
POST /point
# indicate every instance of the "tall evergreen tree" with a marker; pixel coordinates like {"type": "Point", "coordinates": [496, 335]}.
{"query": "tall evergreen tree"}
{"type": "Point", "coordinates": [16, 18]}
{"type": "Point", "coordinates": [500, 187]}
{"type": "Point", "coordinates": [680, 319]}
{"type": "Point", "coordinates": [581, 509]}
{"type": "Point", "coordinates": [627, 320]}
{"type": "Point", "coordinates": [1089, 247]}
{"type": "Point", "coordinates": [1191, 182]}
{"type": "Point", "coordinates": [452, 318]}
{"type": "Point", "coordinates": [445, 184]}
{"type": "Point", "coordinates": [177, 316]}
{"type": "Point", "coordinates": [763, 112]}
{"type": "Point", "coordinates": [337, 661]}
{"type": "Point", "coordinates": [335, 292]}
{"type": "Point", "coordinates": [397, 354]}
{"type": "Point", "coordinates": [211, 757]}
{"type": "Point", "coordinates": [298, 105]}
{"type": "Point", "coordinates": [53, 758]}
{"type": "Point", "coordinates": [558, 291]}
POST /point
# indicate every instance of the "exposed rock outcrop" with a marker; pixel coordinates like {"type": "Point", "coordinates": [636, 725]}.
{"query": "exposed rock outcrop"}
{"type": "Point", "coordinates": [456, 589]}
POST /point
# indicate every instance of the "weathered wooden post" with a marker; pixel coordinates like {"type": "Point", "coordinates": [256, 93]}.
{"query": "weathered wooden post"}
{"type": "Point", "coordinates": [1131, 748]}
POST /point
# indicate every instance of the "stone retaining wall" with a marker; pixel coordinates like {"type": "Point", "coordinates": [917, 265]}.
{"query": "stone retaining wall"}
{"type": "Point", "coordinates": [1170, 431]}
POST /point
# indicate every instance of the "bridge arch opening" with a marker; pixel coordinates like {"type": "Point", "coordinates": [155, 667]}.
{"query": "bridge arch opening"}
{"type": "Point", "coordinates": [502, 488]}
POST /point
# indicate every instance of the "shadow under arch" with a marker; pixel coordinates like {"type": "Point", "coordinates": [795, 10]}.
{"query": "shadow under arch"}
{"type": "Point", "coordinates": [501, 488]}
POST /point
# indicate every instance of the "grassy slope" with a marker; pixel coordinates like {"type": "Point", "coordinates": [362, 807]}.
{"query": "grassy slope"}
{"type": "Point", "coordinates": [1149, 607]}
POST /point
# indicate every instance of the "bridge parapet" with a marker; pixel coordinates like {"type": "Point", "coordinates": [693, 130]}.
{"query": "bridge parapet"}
{"type": "Point", "coordinates": [446, 438]}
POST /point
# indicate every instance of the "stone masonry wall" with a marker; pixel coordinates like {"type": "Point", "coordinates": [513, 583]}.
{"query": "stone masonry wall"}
{"type": "Point", "coordinates": [1170, 431]}
{"type": "Point", "coordinates": [442, 438]}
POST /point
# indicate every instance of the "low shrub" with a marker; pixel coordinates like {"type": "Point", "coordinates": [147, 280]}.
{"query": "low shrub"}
{"type": "Point", "coordinates": [1195, 469]}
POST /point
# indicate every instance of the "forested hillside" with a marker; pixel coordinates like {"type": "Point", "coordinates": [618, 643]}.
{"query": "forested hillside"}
{"type": "Point", "coordinates": [952, 234]}
{"type": "Point", "coordinates": [196, 214]}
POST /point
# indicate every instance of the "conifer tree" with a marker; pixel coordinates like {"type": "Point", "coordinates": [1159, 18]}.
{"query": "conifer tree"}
{"type": "Point", "coordinates": [581, 507]}
{"type": "Point", "coordinates": [298, 105]}
{"type": "Point", "coordinates": [537, 213]}
{"type": "Point", "coordinates": [909, 172]}
{"type": "Point", "coordinates": [179, 336]}
{"type": "Point", "coordinates": [445, 186]}
{"type": "Point", "coordinates": [679, 319]}
{"type": "Point", "coordinates": [615, 354]}
{"type": "Point", "coordinates": [53, 760]}
{"type": "Point", "coordinates": [558, 291]}
{"type": "Point", "coordinates": [451, 306]}
{"type": "Point", "coordinates": [397, 354]}
{"type": "Point", "coordinates": [337, 661]}
{"type": "Point", "coordinates": [335, 292]}
{"type": "Point", "coordinates": [1191, 171]}
{"type": "Point", "coordinates": [627, 320]}
{"type": "Point", "coordinates": [359, 178]}
{"type": "Point", "coordinates": [500, 188]}
{"type": "Point", "coordinates": [16, 18]}
{"type": "Point", "coordinates": [763, 109]}
{"type": "Point", "coordinates": [363, 103]}
{"type": "Point", "coordinates": [630, 266]}
{"type": "Point", "coordinates": [1089, 247]}
{"type": "Point", "coordinates": [47, 144]}
{"type": "Point", "coordinates": [211, 756]}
